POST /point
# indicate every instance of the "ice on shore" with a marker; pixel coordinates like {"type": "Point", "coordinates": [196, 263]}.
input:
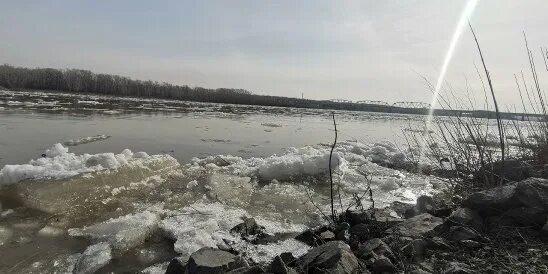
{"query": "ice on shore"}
{"type": "Point", "coordinates": [59, 164]}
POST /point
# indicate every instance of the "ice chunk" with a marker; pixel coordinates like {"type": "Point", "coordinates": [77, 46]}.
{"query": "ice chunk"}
{"type": "Point", "coordinates": [86, 140]}
{"type": "Point", "coordinates": [159, 268]}
{"type": "Point", "coordinates": [51, 231]}
{"type": "Point", "coordinates": [123, 233]}
{"type": "Point", "coordinates": [76, 189]}
{"type": "Point", "coordinates": [105, 160]}
{"type": "Point", "coordinates": [56, 150]}
{"type": "Point", "coordinates": [93, 258]}
{"type": "Point", "coordinates": [201, 225]}
{"type": "Point", "coordinates": [141, 154]}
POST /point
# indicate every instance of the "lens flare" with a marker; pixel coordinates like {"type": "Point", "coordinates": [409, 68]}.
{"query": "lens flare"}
{"type": "Point", "coordinates": [465, 16]}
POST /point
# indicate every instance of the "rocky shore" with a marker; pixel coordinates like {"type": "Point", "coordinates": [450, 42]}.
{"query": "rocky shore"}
{"type": "Point", "coordinates": [499, 230]}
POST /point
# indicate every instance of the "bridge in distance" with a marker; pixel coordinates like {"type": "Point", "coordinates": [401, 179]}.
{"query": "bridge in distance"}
{"type": "Point", "coordinates": [403, 104]}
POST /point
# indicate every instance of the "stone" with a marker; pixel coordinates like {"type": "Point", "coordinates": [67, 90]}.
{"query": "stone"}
{"type": "Point", "coordinates": [532, 193]}
{"type": "Point", "coordinates": [457, 268]}
{"type": "Point", "coordinates": [327, 236]}
{"type": "Point", "coordinates": [459, 233]}
{"type": "Point", "coordinates": [374, 248]}
{"type": "Point", "coordinates": [332, 257]}
{"type": "Point", "coordinates": [246, 270]}
{"type": "Point", "coordinates": [400, 208]}
{"type": "Point", "coordinates": [361, 231]}
{"type": "Point", "coordinates": [470, 244]}
{"type": "Point", "coordinates": [308, 237]}
{"type": "Point", "coordinates": [277, 266]}
{"type": "Point", "coordinates": [424, 204]}
{"type": "Point", "coordinates": [211, 260]}
{"type": "Point", "coordinates": [247, 228]}
{"type": "Point", "coordinates": [415, 249]}
{"type": "Point", "coordinates": [372, 216]}
{"type": "Point", "coordinates": [416, 227]}
{"type": "Point", "coordinates": [466, 217]}
{"type": "Point", "coordinates": [510, 170]}
{"type": "Point", "coordinates": [544, 231]}
{"type": "Point", "coordinates": [175, 267]}
{"type": "Point", "coordinates": [383, 265]}
{"type": "Point", "coordinates": [526, 216]}
{"type": "Point", "coordinates": [288, 258]}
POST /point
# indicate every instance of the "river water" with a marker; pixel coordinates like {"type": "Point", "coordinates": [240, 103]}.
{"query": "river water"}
{"type": "Point", "coordinates": [205, 166]}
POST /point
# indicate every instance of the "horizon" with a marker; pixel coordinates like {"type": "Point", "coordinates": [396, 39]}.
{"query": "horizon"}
{"type": "Point", "coordinates": [356, 51]}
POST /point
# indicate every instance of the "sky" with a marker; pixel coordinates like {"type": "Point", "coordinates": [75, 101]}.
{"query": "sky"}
{"type": "Point", "coordinates": [354, 50]}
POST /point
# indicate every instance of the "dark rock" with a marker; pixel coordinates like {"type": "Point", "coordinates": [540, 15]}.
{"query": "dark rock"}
{"type": "Point", "coordinates": [361, 231]}
{"type": "Point", "coordinates": [422, 268]}
{"type": "Point", "coordinates": [415, 249]}
{"type": "Point", "coordinates": [383, 265]}
{"type": "Point", "coordinates": [247, 228]}
{"type": "Point", "coordinates": [332, 257]}
{"type": "Point", "coordinates": [374, 248]}
{"type": "Point", "coordinates": [417, 227]}
{"type": "Point", "coordinates": [459, 233]}
{"type": "Point", "coordinates": [532, 193]}
{"type": "Point", "coordinates": [372, 216]}
{"type": "Point", "coordinates": [457, 268]}
{"type": "Point", "coordinates": [211, 260]}
{"type": "Point", "coordinates": [308, 237]}
{"type": "Point", "coordinates": [247, 270]}
{"type": "Point", "coordinates": [510, 170]}
{"type": "Point", "coordinates": [278, 266]}
{"type": "Point", "coordinates": [466, 217]}
{"type": "Point", "coordinates": [341, 232]}
{"type": "Point", "coordinates": [526, 216]}
{"type": "Point", "coordinates": [470, 244]}
{"type": "Point", "coordinates": [327, 236]}
{"type": "Point", "coordinates": [175, 267]}
{"type": "Point", "coordinates": [288, 258]}
{"type": "Point", "coordinates": [438, 243]}
{"type": "Point", "coordinates": [424, 205]}
{"type": "Point", "coordinates": [400, 208]}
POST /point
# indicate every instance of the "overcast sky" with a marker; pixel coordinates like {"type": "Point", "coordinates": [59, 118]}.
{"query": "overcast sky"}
{"type": "Point", "coordinates": [356, 50]}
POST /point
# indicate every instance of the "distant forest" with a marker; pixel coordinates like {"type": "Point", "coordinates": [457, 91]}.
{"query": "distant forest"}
{"type": "Point", "coordinates": [85, 81]}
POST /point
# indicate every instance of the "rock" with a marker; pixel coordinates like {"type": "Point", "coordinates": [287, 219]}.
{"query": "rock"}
{"type": "Point", "coordinates": [93, 258]}
{"type": "Point", "coordinates": [288, 258]}
{"type": "Point", "coordinates": [361, 231]}
{"type": "Point", "coordinates": [415, 249]}
{"type": "Point", "coordinates": [383, 265]}
{"type": "Point", "coordinates": [470, 244]}
{"type": "Point", "coordinates": [422, 268]}
{"type": "Point", "coordinates": [374, 248]}
{"type": "Point", "coordinates": [278, 266]}
{"type": "Point", "coordinates": [417, 227]}
{"type": "Point", "coordinates": [372, 216]}
{"type": "Point", "coordinates": [332, 257]}
{"type": "Point", "coordinates": [467, 217]}
{"type": "Point", "coordinates": [211, 260]}
{"type": "Point", "coordinates": [438, 243]}
{"type": "Point", "coordinates": [532, 193]}
{"type": "Point", "coordinates": [247, 228]}
{"type": "Point", "coordinates": [175, 267]}
{"type": "Point", "coordinates": [457, 268]}
{"type": "Point", "coordinates": [327, 236]}
{"type": "Point", "coordinates": [308, 237]}
{"type": "Point", "coordinates": [341, 232]}
{"type": "Point", "coordinates": [247, 270]}
{"type": "Point", "coordinates": [526, 216]}
{"type": "Point", "coordinates": [510, 170]}
{"type": "Point", "coordinates": [424, 205]}
{"type": "Point", "coordinates": [400, 208]}
{"type": "Point", "coordinates": [459, 233]}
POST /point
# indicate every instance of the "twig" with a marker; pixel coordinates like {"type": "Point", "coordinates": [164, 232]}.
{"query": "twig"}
{"type": "Point", "coordinates": [330, 169]}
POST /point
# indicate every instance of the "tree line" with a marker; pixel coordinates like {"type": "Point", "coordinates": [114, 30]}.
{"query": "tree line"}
{"type": "Point", "coordinates": [85, 81]}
